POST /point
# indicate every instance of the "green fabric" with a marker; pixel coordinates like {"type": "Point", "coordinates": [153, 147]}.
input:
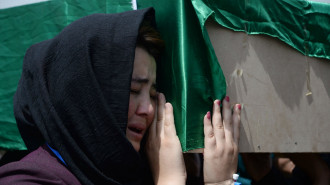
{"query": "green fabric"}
{"type": "Point", "coordinates": [304, 25]}
{"type": "Point", "coordinates": [25, 25]}
{"type": "Point", "coordinates": [189, 74]}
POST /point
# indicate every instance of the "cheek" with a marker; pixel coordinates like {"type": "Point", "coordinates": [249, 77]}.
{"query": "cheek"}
{"type": "Point", "coordinates": [131, 107]}
{"type": "Point", "coordinates": [152, 113]}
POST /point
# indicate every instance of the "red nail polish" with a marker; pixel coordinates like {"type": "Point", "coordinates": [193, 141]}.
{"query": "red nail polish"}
{"type": "Point", "coordinates": [208, 115]}
{"type": "Point", "coordinates": [227, 98]}
{"type": "Point", "coordinates": [218, 102]}
{"type": "Point", "coordinates": [239, 107]}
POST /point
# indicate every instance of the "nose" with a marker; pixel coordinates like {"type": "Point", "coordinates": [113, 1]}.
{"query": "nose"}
{"type": "Point", "coordinates": [145, 106]}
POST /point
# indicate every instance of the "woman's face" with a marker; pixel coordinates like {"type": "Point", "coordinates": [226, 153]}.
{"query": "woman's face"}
{"type": "Point", "coordinates": [143, 95]}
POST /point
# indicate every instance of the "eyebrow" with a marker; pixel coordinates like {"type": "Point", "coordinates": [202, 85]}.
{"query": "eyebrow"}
{"type": "Point", "coordinates": [143, 81]}
{"type": "Point", "coordinates": [140, 80]}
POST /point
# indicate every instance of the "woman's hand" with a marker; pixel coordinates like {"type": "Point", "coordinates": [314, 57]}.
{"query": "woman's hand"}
{"type": "Point", "coordinates": [221, 142]}
{"type": "Point", "coordinates": [164, 148]}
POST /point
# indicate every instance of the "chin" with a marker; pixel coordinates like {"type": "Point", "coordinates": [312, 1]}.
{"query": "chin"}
{"type": "Point", "coordinates": [136, 146]}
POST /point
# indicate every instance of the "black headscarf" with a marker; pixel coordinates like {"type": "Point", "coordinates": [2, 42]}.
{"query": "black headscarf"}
{"type": "Point", "coordinates": [74, 95]}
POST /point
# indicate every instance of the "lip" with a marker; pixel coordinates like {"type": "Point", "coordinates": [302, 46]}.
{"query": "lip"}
{"type": "Point", "coordinates": [131, 130]}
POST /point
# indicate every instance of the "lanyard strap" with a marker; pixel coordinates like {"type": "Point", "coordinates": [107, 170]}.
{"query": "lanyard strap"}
{"type": "Point", "coordinates": [58, 155]}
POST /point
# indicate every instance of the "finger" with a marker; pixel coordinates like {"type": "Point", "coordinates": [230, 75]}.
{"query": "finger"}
{"type": "Point", "coordinates": [209, 139]}
{"type": "Point", "coordinates": [160, 114]}
{"type": "Point", "coordinates": [217, 123]}
{"type": "Point", "coordinates": [227, 120]}
{"type": "Point", "coordinates": [169, 120]}
{"type": "Point", "coordinates": [237, 122]}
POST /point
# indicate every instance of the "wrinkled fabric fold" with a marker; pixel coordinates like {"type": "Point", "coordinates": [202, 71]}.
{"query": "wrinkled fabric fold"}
{"type": "Point", "coordinates": [304, 25]}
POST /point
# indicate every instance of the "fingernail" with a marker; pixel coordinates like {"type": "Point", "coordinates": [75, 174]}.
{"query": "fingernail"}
{"type": "Point", "coordinates": [239, 106]}
{"type": "Point", "coordinates": [227, 98]}
{"type": "Point", "coordinates": [208, 115]}
{"type": "Point", "coordinates": [218, 102]}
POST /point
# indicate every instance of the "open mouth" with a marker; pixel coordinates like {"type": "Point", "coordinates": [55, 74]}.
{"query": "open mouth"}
{"type": "Point", "coordinates": [136, 130]}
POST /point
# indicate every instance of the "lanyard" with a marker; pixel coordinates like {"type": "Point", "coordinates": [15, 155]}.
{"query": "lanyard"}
{"type": "Point", "coordinates": [56, 153]}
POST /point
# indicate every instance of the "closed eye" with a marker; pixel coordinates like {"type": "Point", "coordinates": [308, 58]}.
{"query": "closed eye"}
{"type": "Point", "coordinates": [134, 91]}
